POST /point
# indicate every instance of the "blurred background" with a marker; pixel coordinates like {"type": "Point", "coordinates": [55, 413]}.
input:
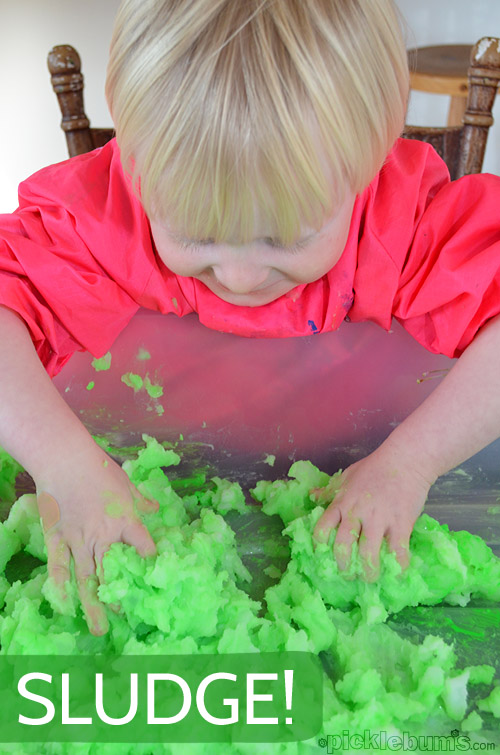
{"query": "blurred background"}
{"type": "Point", "coordinates": [29, 134]}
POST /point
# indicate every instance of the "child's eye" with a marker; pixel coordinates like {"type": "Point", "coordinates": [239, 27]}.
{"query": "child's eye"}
{"type": "Point", "coordinates": [276, 244]}
{"type": "Point", "coordinates": [195, 243]}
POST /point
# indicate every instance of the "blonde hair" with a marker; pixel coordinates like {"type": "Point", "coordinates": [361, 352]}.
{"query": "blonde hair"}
{"type": "Point", "coordinates": [225, 106]}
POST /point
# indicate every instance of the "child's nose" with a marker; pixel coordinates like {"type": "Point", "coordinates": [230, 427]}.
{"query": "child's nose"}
{"type": "Point", "coordinates": [240, 279]}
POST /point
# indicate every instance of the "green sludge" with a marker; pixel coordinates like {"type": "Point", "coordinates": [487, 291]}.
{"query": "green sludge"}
{"type": "Point", "coordinates": [192, 598]}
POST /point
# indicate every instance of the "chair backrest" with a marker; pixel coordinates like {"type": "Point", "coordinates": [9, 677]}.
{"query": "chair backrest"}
{"type": "Point", "coordinates": [461, 147]}
{"type": "Point", "coordinates": [67, 82]}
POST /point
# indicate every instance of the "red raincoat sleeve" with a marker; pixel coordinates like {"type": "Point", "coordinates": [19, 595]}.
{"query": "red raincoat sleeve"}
{"type": "Point", "coordinates": [450, 281]}
{"type": "Point", "coordinates": [429, 251]}
{"type": "Point", "coordinates": [66, 261]}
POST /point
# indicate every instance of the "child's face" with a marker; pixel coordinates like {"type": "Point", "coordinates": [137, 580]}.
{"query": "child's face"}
{"type": "Point", "coordinates": [256, 273]}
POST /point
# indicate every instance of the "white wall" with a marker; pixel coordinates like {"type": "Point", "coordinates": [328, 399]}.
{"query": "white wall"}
{"type": "Point", "coordinates": [29, 114]}
{"type": "Point", "coordinates": [30, 136]}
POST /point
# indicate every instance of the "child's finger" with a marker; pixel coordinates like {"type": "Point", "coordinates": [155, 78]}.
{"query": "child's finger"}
{"type": "Point", "coordinates": [370, 542]}
{"type": "Point", "coordinates": [99, 553]}
{"type": "Point", "coordinates": [86, 578]}
{"type": "Point", "coordinates": [347, 532]}
{"type": "Point", "coordinates": [326, 523]}
{"type": "Point", "coordinates": [145, 505]}
{"type": "Point", "coordinates": [326, 494]}
{"type": "Point", "coordinates": [136, 534]}
{"type": "Point", "coordinates": [318, 494]}
{"type": "Point", "coordinates": [58, 560]}
{"type": "Point", "coordinates": [48, 508]}
{"type": "Point", "coordinates": [400, 544]}
{"type": "Point", "coordinates": [100, 550]}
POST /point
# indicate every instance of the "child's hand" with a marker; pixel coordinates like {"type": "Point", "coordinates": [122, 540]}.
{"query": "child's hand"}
{"type": "Point", "coordinates": [84, 509]}
{"type": "Point", "coordinates": [380, 496]}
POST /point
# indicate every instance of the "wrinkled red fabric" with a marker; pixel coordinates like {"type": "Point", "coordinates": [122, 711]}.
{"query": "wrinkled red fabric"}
{"type": "Point", "coordinates": [77, 260]}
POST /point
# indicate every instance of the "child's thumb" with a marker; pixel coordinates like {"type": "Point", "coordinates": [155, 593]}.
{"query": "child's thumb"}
{"type": "Point", "coordinates": [146, 505]}
{"type": "Point", "coordinates": [137, 535]}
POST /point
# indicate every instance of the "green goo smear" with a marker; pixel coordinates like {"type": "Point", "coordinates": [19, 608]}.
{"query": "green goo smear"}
{"type": "Point", "coordinates": [9, 470]}
{"type": "Point", "coordinates": [143, 355]}
{"type": "Point", "coordinates": [102, 364]}
{"type": "Point", "coordinates": [138, 383]}
{"type": "Point", "coordinates": [155, 391]}
{"type": "Point", "coordinates": [132, 381]}
{"type": "Point", "coordinates": [192, 598]}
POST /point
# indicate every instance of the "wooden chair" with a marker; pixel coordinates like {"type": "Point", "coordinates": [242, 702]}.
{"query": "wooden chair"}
{"type": "Point", "coordinates": [461, 147]}
{"type": "Point", "coordinates": [442, 69]}
{"type": "Point", "coordinates": [67, 82]}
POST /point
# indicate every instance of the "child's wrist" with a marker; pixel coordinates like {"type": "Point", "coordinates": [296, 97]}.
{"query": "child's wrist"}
{"type": "Point", "coordinates": [407, 452]}
{"type": "Point", "coordinates": [62, 456]}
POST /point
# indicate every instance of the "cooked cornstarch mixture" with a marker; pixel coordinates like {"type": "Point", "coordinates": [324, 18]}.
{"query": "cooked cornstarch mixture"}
{"type": "Point", "coordinates": [194, 597]}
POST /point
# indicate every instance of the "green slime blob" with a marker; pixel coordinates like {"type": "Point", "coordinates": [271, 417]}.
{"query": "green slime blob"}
{"type": "Point", "coordinates": [191, 598]}
{"type": "Point", "coordinates": [103, 363]}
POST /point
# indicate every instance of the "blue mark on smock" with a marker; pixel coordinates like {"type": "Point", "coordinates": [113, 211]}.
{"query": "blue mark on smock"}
{"type": "Point", "coordinates": [312, 326]}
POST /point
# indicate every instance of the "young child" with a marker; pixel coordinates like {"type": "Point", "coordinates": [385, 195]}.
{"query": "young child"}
{"type": "Point", "coordinates": [257, 179]}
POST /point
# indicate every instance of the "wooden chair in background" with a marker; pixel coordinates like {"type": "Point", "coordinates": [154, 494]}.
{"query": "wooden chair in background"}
{"type": "Point", "coordinates": [461, 147]}
{"type": "Point", "coordinates": [442, 69]}
{"type": "Point", "coordinates": [67, 82]}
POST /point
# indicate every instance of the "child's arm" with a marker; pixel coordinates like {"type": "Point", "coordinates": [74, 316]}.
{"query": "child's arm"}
{"type": "Point", "coordinates": [384, 493]}
{"type": "Point", "coordinates": [75, 480]}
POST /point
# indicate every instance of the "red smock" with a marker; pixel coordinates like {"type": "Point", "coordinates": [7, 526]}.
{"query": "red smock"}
{"type": "Point", "coordinates": [77, 260]}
